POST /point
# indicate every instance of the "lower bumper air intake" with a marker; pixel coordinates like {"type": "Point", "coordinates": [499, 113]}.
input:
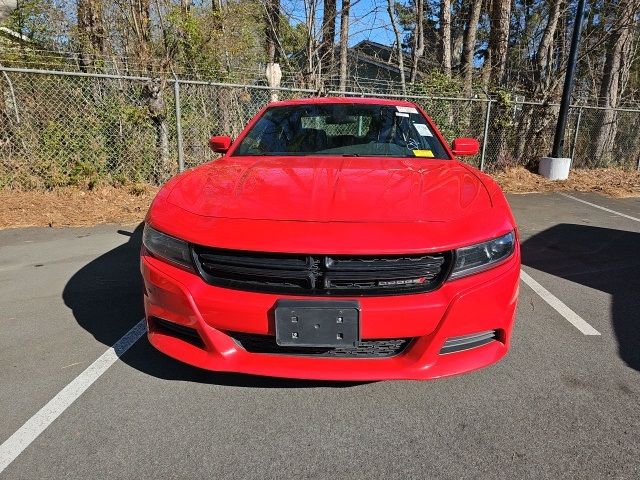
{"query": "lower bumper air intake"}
{"type": "Point", "coordinates": [465, 342]}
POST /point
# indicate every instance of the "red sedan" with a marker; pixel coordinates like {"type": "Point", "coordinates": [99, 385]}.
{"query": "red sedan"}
{"type": "Point", "coordinates": [336, 238]}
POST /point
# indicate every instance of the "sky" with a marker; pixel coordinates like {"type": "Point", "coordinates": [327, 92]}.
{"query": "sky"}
{"type": "Point", "coordinates": [369, 19]}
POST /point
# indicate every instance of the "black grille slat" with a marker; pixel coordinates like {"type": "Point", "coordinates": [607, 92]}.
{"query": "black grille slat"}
{"type": "Point", "coordinates": [256, 272]}
{"type": "Point", "coordinates": [382, 263]}
{"type": "Point", "coordinates": [298, 274]}
{"type": "Point", "coordinates": [365, 349]}
{"type": "Point", "coordinates": [274, 262]}
{"type": "Point", "coordinates": [430, 273]}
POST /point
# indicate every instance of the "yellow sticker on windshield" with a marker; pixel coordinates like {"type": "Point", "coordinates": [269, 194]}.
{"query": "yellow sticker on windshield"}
{"type": "Point", "coordinates": [424, 153]}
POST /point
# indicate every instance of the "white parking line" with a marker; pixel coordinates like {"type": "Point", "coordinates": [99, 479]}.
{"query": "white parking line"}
{"type": "Point", "coordinates": [600, 207]}
{"type": "Point", "coordinates": [559, 306]}
{"type": "Point", "coordinates": [27, 433]}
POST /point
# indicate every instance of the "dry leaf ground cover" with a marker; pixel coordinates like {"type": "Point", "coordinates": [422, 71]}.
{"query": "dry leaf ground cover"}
{"type": "Point", "coordinates": [614, 182]}
{"type": "Point", "coordinates": [74, 207]}
{"type": "Point", "coordinates": [128, 205]}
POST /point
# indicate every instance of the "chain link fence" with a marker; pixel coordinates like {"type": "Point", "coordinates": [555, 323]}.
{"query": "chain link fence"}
{"type": "Point", "coordinates": [69, 128]}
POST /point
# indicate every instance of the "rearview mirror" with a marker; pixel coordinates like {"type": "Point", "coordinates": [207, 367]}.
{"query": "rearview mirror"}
{"type": "Point", "coordinates": [220, 144]}
{"type": "Point", "coordinates": [465, 147]}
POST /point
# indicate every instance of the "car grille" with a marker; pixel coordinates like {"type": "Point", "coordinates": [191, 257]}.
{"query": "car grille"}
{"type": "Point", "coordinates": [365, 349]}
{"type": "Point", "coordinates": [322, 274]}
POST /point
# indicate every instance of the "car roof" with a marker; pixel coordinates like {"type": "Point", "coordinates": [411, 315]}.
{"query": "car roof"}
{"type": "Point", "coordinates": [329, 100]}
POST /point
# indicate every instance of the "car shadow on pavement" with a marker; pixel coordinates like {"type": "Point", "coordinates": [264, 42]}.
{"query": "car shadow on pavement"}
{"type": "Point", "coordinates": [105, 296]}
{"type": "Point", "coordinates": [601, 258]}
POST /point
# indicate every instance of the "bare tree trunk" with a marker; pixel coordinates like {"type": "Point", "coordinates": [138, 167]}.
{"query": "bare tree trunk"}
{"type": "Point", "coordinates": [142, 32]}
{"type": "Point", "coordinates": [162, 135]}
{"type": "Point", "coordinates": [457, 37]}
{"type": "Point", "coordinates": [445, 27]}
{"type": "Point", "coordinates": [271, 29]}
{"type": "Point", "coordinates": [344, 43]}
{"type": "Point", "coordinates": [496, 63]}
{"type": "Point", "coordinates": [494, 76]}
{"type": "Point", "coordinates": [186, 36]}
{"type": "Point", "coordinates": [544, 56]}
{"type": "Point", "coordinates": [153, 91]}
{"type": "Point", "coordinates": [459, 13]}
{"type": "Point", "coordinates": [91, 33]}
{"type": "Point", "coordinates": [311, 75]}
{"type": "Point", "coordinates": [164, 168]}
{"type": "Point", "coordinates": [218, 24]}
{"type": "Point", "coordinates": [327, 49]}
{"type": "Point", "coordinates": [394, 25]}
{"type": "Point", "coordinates": [534, 127]}
{"type": "Point", "coordinates": [615, 75]}
{"type": "Point", "coordinates": [271, 32]}
{"type": "Point", "coordinates": [469, 46]}
{"type": "Point", "coordinates": [418, 40]}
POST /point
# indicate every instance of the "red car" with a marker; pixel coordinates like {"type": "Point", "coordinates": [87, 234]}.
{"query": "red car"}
{"type": "Point", "coordinates": [336, 239]}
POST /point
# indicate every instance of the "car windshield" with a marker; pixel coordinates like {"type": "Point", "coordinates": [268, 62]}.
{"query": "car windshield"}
{"type": "Point", "coordinates": [342, 129]}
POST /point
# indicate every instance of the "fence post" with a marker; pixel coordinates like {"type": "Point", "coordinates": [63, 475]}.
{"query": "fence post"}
{"type": "Point", "coordinates": [575, 134]}
{"type": "Point", "coordinates": [176, 95]}
{"type": "Point", "coordinates": [486, 132]}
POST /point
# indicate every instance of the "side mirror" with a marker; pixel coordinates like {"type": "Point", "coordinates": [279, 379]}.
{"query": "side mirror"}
{"type": "Point", "coordinates": [220, 144]}
{"type": "Point", "coordinates": [465, 147]}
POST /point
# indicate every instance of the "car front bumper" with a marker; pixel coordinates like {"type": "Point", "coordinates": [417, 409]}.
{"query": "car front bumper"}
{"type": "Point", "coordinates": [479, 303]}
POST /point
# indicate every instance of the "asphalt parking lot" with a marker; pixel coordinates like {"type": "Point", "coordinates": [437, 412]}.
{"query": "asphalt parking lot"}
{"type": "Point", "coordinates": [562, 403]}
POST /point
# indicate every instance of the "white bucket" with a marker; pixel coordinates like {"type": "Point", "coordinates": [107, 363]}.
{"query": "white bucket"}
{"type": "Point", "coordinates": [554, 168]}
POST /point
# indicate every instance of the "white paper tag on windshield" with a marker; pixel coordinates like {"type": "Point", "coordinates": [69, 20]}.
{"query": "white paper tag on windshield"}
{"type": "Point", "coordinates": [423, 130]}
{"type": "Point", "coordinates": [407, 109]}
{"type": "Point", "coordinates": [400, 114]}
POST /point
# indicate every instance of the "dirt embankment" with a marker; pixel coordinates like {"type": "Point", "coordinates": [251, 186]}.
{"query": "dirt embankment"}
{"type": "Point", "coordinates": [127, 205]}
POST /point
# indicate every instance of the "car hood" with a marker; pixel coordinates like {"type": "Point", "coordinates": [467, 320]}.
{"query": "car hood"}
{"type": "Point", "coordinates": [330, 189]}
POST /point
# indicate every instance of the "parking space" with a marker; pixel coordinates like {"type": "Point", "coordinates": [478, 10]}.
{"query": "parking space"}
{"type": "Point", "coordinates": [561, 404]}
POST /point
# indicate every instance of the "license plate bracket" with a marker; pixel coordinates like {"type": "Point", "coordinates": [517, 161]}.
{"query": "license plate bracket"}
{"type": "Point", "coordinates": [329, 324]}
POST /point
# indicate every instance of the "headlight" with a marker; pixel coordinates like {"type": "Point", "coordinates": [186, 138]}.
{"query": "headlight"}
{"type": "Point", "coordinates": [482, 256]}
{"type": "Point", "coordinates": [169, 248]}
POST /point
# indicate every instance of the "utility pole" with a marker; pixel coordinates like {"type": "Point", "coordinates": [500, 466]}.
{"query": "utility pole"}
{"type": "Point", "coordinates": [556, 167]}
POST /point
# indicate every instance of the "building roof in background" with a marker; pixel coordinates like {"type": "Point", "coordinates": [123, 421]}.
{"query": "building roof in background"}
{"type": "Point", "coordinates": [6, 7]}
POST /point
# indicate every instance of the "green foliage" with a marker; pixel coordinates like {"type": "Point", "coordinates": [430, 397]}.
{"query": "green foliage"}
{"type": "Point", "coordinates": [135, 114]}
{"type": "Point", "coordinates": [61, 153]}
{"type": "Point", "coordinates": [292, 37]}
{"type": "Point", "coordinates": [502, 117]}
{"type": "Point", "coordinates": [437, 83]}
{"type": "Point", "coordinates": [44, 22]}
{"type": "Point", "coordinates": [76, 131]}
